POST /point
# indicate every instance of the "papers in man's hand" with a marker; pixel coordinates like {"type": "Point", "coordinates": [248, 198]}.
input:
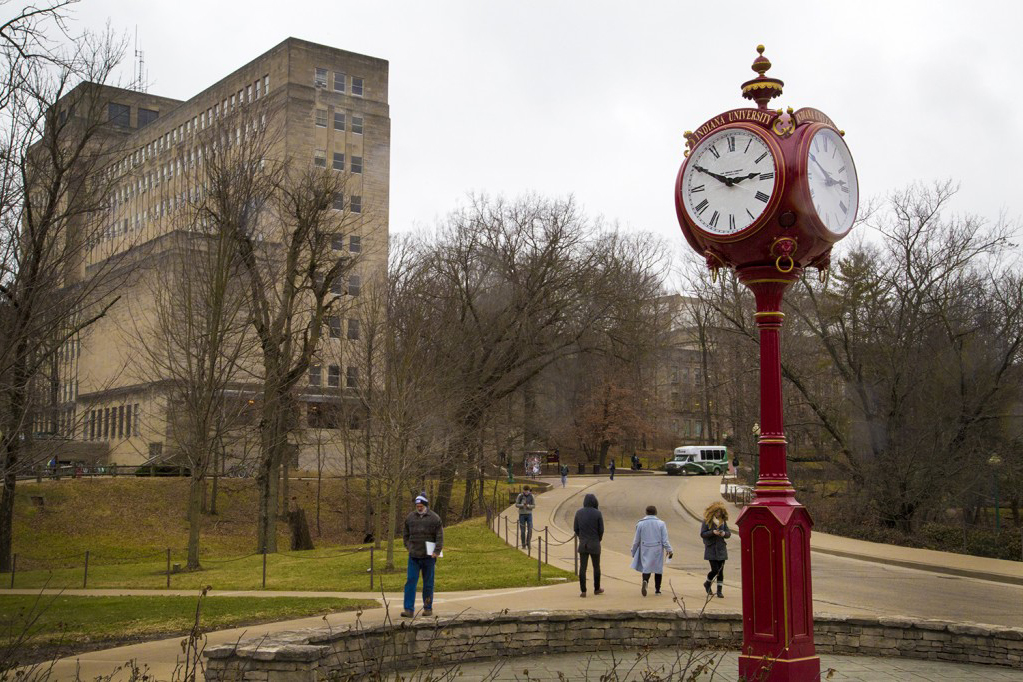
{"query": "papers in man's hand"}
{"type": "Point", "coordinates": [667, 558]}
{"type": "Point", "coordinates": [431, 546]}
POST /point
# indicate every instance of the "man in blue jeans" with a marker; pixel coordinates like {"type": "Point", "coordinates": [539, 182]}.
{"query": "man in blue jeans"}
{"type": "Point", "coordinates": [422, 526]}
{"type": "Point", "coordinates": [525, 503]}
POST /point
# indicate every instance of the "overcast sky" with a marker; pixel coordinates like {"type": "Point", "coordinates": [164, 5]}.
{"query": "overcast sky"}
{"type": "Point", "coordinates": [591, 98]}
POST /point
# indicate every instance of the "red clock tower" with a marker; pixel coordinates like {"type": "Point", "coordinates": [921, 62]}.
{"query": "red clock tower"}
{"type": "Point", "coordinates": [768, 193]}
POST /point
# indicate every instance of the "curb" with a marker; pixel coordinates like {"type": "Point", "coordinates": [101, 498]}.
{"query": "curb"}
{"type": "Point", "coordinates": [902, 563]}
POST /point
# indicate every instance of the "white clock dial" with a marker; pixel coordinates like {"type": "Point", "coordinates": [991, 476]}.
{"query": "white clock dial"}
{"type": "Point", "coordinates": [729, 180]}
{"type": "Point", "coordinates": [831, 178]}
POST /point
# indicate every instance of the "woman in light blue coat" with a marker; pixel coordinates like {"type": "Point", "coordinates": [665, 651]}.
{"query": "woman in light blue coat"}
{"type": "Point", "coordinates": [649, 547]}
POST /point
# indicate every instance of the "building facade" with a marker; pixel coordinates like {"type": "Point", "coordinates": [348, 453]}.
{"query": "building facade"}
{"type": "Point", "coordinates": [328, 110]}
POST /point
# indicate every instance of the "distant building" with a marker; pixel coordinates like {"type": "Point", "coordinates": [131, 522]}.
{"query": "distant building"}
{"type": "Point", "coordinates": [331, 108]}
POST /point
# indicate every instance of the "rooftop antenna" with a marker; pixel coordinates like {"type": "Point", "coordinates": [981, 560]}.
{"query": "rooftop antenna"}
{"type": "Point", "coordinates": [141, 77]}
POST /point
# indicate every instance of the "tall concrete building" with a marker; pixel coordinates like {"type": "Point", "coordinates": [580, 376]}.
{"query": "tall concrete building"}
{"type": "Point", "coordinates": [329, 110]}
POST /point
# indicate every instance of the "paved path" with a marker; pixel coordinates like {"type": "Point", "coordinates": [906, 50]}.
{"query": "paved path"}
{"type": "Point", "coordinates": [841, 585]}
{"type": "Point", "coordinates": [722, 667]}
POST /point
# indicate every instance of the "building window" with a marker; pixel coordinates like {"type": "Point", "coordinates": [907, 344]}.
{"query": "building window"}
{"type": "Point", "coordinates": [127, 420]}
{"type": "Point", "coordinates": [147, 116]}
{"type": "Point", "coordinates": [356, 204]}
{"type": "Point", "coordinates": [338, 287]}
{"type": "Point", "coordinates": [339, 201]}
{"type": "Point", "coordinates": [320, 78]}
{"type": "Point", "coordinates": [120, 421]}
{"type": "Point", "coordinates": [119, 114]}
{"type": "Point", "coordinates": [321, 118]}
{"type": "Point", "coordinates": [353, 329]}
{"type": "Point", "coordinates": [356, 86]}
{"type": "Point", "coordinates": [354, 285]}
{"type": "Point", "coordinates": [352, 377]}
{"type": "Point", "coordinates": [356, 164]}
{"type": "Point", "coordinates": [138, 420]}
{"type": "Point", "coordinates": [357, 125]}
{"type": "Point", "coordinates": [334, 324]}
{"type": "Point", "coordinates": [320, 158]}
{"type": "Point", "coordinates": [106, 423]}
{"type": "Point", "coordinates": [354, 423]}
{"type": "Point", "coordinates": [315, 375]}
{"type": "Point", "coordinates": [333, 376]}
{"type": "Point", "coordinates": [339, 82]}
{"type": "Point", "coordinates": [355, 244]}
{"type": "Point", "coordinates": [339, 120]}
{"type": "Point", "coordinates": [339, 161]}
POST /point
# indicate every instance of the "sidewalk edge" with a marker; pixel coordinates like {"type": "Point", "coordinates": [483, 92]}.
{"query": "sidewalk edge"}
{"type": "Point", "coordinates": [915, 565]}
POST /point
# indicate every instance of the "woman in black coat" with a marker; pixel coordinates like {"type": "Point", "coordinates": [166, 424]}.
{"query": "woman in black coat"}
{"type": "Point", "coordinates": [714, 532]}
{"type": "Point", "coordinates": [589, 526]}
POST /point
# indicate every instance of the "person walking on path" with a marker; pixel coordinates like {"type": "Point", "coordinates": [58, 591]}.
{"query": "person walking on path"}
{"type": "Point", "coordinates": [564, 475]}
{"type": "Point", "coordinates": [525, 503]}
{"type": "Point", "coordinates": [649, 547]}
{"type": "Point", "coordinates": [612, 468]}
{"type": "Point", "coordinates": [423, 535]}
{"type": "Point", "coordinates": [714, 531]}
{"type": "Point", "coordinates": [589, 527]}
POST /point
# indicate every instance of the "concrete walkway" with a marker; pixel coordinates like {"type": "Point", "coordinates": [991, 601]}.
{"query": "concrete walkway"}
{"type": "Point", "coordinates": [721, 667]}
{"type": "Point", "coordinates": [682, 590]}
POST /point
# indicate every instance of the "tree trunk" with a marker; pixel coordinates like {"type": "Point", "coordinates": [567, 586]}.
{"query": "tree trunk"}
{"type": "Point", "coordinates": [195, 489]}
{"type": "Point", "coordinates": [285, 503]}
{"type": "Point", "coordinates": [392, 523]}
{"type": "Point", "coordinates": [218, 458]}
{"type": "Point", "coordinates": [319, 482]}
{"type": "Point", "coordinates": [15, 426]}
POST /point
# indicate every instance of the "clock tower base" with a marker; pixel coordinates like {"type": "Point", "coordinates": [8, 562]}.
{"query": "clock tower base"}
{"type": "Point", "coordinates": [774, 531]}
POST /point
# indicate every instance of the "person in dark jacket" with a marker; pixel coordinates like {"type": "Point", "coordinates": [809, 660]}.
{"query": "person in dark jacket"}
{"type": "Point", "coordinates": [611, 467]}
{"type": "Point", "coordinates": [714, 531]}
{"type": "Point", "coordinates": [564, 475]}
{"type": "Point", "coordinates": [422, 526]}
{"type": "Point", "coordinates": [589, 526]}
{"type": "Point", "coordinates": [525, 503]}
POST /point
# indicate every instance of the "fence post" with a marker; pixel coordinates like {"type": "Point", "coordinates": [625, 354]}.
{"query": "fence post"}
{"type": "Point", "coordinates": [85, 578]}
{"type": "Point", "coordinates": [546, 545]}
{"type": "Point", "coordinates": [14, 565]}
{"type": "Point", "coordinates": [168, 568]}
{"type": "Point", "coordinates": [371, 569]}
{"type": "Point", "coordinates": [264, 568]}
{"type": "Point", "coordinates": [575, 554]}
{"type": "Point", "coordinates": [539, 564]}
{"type": "Point", "coordinates": [506, 530]}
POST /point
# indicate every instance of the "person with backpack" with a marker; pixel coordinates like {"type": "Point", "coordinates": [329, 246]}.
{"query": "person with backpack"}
{"type": "Point", "coordinates": [564, 475]}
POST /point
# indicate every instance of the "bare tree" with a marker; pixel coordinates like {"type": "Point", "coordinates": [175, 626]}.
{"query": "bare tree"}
{"type": "Point", "coordinates": [55, 184]}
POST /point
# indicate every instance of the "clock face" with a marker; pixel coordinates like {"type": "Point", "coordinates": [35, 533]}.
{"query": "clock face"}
{"type": "Point", "coordinates": [831, 179]}
{"type": "Point", "coordinates": [729, 180]}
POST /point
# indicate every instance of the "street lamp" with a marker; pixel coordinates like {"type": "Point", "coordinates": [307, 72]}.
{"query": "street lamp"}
{"type": "Point", "coordinates": [994, 462]}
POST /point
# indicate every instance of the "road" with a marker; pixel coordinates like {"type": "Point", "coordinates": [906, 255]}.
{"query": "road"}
{"type": "Point", "coordinates": [840, 585]}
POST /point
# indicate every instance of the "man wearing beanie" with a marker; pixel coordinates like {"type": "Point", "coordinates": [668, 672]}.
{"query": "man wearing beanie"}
{"type": "Point", "coordinates": [421, 526]}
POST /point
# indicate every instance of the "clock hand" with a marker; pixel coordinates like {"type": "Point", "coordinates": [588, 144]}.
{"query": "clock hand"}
{"type": "Point", "coordinates": [740, 178]}
{"type": "Point", "coordinates": [828, 180]}
{"type": "Point", "coordinates": [720, 178]}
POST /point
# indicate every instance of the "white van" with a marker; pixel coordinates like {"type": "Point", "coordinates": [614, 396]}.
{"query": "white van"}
{"type": "Point", "coordinates": [698, 459]}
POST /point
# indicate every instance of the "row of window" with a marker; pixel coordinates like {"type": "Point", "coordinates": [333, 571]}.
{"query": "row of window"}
{"type": "Point", "coordinates": [109, 423]}
{"type": "Point", "coordinates": [333, 376]}
{"type": "Point", "coordinates": [55, 422]}
{"type": "Point", "coordinates": [337, 242]}
{"type": "Point", "coordinates": [334, 325]}
{"type": "Point", "coordinates": [340, 119]}
{"type": "Point", "coordinates": [120, 115]}
{"type": "Point", "coordinates": [340, 286]}
{"type": "Point", "coordinates": [338, 163]}
{"type": "Point", "coordinates": [339, 81]}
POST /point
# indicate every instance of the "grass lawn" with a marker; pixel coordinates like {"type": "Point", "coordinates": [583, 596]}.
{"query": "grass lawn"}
{"type": "Point", "coordinates": [75, 623]}
{"type": "Point", "coordinates": [474, 558]}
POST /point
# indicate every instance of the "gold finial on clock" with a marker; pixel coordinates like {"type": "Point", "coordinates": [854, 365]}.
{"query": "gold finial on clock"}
{"type": "Point", "coordinates": [761, 89]}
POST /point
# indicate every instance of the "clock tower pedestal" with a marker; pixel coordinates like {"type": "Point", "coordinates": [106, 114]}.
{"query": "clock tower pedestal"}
{"type": "Point", "coordinates": [777, 601]}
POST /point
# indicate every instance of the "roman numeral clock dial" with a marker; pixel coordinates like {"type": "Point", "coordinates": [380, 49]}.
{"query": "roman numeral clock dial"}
{"type": "Point", "coordinates": [728, 181]}
{"type": "Point", "coordinates": [831, 181]}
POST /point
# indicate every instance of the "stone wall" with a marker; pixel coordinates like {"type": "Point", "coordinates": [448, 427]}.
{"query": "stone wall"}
{"type": "Point", "coordinates": [322, 653]}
